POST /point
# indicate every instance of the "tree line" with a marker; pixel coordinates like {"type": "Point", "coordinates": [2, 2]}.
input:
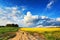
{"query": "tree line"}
{"type": "Point", "coordinates": [10, 25]}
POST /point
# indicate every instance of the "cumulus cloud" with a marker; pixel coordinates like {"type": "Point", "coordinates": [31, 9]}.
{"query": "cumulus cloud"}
{"type": "Point", "coordinates": [43, 17]}
{"type": "Point", "coordinates": [39, 21]}
{"type": "Point", "coordinates": [49, 5]}
{"type": "Point", "coordinates": [11, 15]}
{"type": "Point", "coordinates": [57, 19]}
{"type": "Point", "coordinates": [29, 19]}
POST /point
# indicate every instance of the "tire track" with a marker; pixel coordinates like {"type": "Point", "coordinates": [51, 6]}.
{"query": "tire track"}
{"type": "Point", "coordinates": [21, 35]}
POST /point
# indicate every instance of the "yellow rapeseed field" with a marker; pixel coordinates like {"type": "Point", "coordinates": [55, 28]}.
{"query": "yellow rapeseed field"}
{"type": "Point", "coordinates": [40, 29]}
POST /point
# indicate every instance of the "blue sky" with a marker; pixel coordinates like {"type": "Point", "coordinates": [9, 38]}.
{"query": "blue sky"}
{"type": "Point", "coordinates": [30, 13]}
{"type": "Point", "coordinates": [38, 7]}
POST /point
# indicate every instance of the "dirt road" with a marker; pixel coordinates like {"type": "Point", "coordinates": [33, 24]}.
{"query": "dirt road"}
{"type": "Point", "coordinates": [21, 35]}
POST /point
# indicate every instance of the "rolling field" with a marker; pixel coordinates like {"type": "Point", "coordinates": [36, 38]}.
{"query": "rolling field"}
{"type": "Point", "coordinates": [40, 29]}
{"type": "Point", "coordinates": [49, 33]}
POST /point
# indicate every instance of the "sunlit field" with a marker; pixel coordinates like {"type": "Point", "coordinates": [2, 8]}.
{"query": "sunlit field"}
{"type": "Point", "coordinates": [49, 33]}
{"type": "Point", "coordinates": [40, 29]}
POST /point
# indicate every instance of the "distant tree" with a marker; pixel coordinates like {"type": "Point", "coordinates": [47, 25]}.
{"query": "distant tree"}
{"type": "Point", "coordinates": [2, 26]}
{"type": "Point", "coordinates": [16, 25]}
{"type": "Point", "coordinates": [8, 25]}
{"type": "Point", "coordinates": [12, 25]}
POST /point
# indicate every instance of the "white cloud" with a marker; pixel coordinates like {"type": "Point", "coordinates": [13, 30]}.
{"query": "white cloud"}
{"type": "Point", "coordinates": [39, 26]}
{"type": "Point", "coordinates": [10, 15]}
{"type": "Point", "coordinates": [43, 17]}
{"type": "Point", "coordinates": [49, 5]}
{"type": "Point", "coordinates": [29, 13]}
{"type": "Point", "coordinates": [57, 19]}
{"type": "Point", "coordinates": [5, 21]}
{"type": "Point", "coordinates": [13, 15]}
{"type": "Point", "coordinates": [29, 18]}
